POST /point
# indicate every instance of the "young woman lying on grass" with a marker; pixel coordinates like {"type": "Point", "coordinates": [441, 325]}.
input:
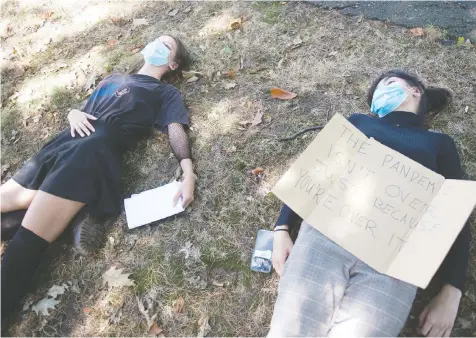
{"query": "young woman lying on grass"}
{"type": "Point", "coordinates": [78, 173]}
{"type": "Point", "coordinates": [326, 291]}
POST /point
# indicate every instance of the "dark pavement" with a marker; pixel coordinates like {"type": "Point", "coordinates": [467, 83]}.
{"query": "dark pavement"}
{"type": "Point", "coordinates": [458, 18]}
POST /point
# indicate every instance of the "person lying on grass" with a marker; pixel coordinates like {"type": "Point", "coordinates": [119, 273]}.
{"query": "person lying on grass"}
{"type": "Point", "coordinates": [326, 291]}
{"type": "Point", "coordinates": [78, 173]}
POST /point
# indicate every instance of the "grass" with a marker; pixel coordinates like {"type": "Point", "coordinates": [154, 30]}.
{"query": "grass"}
{"type": "Point", "coordinates": [203, 254]}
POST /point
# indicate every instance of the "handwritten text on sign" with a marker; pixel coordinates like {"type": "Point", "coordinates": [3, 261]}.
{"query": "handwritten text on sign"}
{"type": "Point", "coordinates": [370, 199]}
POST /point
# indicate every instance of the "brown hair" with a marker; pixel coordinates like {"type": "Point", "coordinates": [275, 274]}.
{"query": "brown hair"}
{"type": "Point", "coordinates": [182, 56]}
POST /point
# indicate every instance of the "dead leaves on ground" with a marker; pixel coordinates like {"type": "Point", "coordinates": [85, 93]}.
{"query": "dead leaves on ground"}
{"type": "Point", "coordinates": [179, 305]}
{"type": "Point", "coordinates": [235, 24]}
{"type": "Point", "coordinates": [44, 305]}
{"type": "Point", "coordinates": [88, 310]}
{"type": "Point", "coordinates": [139, 22]}
{"type": "Point", "coordinates": [278, 93]}
{"type": "Point", "coordinates": [417, 31]}
{"type": "Point", "coordinates": [203, 326]}
{"type": "Point", "coordinates": [230, 85]}
{"type": "Point", "coordinates": [136, 48]}
{"type": "Point", "coordinates": [257, 119]}
{"type": "Point", "coordinates": [155, 330]}
{"type": "Point", "coordinates": [112, 43]}
{"type": "Point", "coordinates": [115, 278]}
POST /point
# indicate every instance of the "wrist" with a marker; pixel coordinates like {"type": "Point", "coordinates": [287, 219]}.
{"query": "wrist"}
{"type": "Point", "coordinates": [451, 291]}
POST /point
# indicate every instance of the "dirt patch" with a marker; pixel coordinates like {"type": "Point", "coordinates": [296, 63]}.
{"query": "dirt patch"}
{"type": "Point", "coordinates": [202, 256]}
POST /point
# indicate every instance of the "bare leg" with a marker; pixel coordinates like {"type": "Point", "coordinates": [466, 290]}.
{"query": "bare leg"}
{"type": "Point", "coordinates": [49, 215]}
{"type": "Point", "coordinates": [15, 197]}
{"type": "Point", "coordinates": [45, 219]}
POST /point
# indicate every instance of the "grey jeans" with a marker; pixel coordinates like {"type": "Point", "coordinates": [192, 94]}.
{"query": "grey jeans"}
{"type": "Point", "coordinates": [326, 291]}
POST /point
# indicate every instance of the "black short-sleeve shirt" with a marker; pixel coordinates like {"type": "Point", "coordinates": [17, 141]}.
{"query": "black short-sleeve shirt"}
{"type": "Point", "coordinates": [136, 103]}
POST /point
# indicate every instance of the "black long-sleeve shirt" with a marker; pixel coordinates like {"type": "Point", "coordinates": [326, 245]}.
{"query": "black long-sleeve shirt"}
{"type": "Point", "coordinates": [404, 132]}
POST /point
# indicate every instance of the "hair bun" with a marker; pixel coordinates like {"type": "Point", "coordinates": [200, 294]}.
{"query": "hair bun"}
{"type": "Point", "coordinates": [438, 99]}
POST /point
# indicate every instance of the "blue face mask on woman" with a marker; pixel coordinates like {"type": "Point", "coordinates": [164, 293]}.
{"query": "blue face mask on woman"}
{"type": "Point", "coordinates": [387, 98]}
{"type": "Point", "coordinates": [156, 53]}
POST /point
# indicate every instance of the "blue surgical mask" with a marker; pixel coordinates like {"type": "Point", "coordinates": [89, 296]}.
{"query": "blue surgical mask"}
{"type": "Point", "coordinates": [387, 98]}
{"type": "Point", "coordinates": [156, 53]}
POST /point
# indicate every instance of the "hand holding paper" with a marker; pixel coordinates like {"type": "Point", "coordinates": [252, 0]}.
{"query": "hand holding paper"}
{"type": "Point", "coordinates": [152, 205]}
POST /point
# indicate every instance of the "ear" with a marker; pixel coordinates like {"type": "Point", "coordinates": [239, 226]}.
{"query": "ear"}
{"type": "Point", "coordinates": [173, 65]}
{"type": "Point", "coordinates": [416, 92]}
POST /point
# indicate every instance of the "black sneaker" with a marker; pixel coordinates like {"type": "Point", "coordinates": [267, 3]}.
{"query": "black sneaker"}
{"type": "Point", "coordinates": [88, 233]}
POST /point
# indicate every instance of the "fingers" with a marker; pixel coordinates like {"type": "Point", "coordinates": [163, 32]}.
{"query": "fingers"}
{"type": "Point", "coordinates": [422, 317]}
{"type": "Point", "coordinates": [426, 326]}
{"type": "Point", "coordinates": [186, 201]}
{"type": "Point", "coordinates": [89, 125]}
{"type": "Point", "coordinates": [84, 128]}
{"type": "Point", "coordinates": [72, 131]}
{"type": "Point", "coordinates": [90, 117]}
{"type": "Point", "coordinates": [435, 332]}
{"type": "Point", "coordinates": [176, 198]}
{"type": "Point", "coordinates": [80, 132]}
{"type": "Point", "coordinates": [447, 333]}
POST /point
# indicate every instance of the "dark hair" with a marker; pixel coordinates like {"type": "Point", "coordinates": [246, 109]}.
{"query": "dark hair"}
{"type": "Point", "coordinates": [409, 78]}
{"type": "Point", "coordinates": [182, 56]}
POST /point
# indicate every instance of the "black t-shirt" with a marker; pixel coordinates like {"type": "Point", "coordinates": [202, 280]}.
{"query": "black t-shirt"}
{"type": "Point", "coordinates": [136, 103]}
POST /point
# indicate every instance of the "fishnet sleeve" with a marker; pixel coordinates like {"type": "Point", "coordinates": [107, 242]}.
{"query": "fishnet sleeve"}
{"type": "Point", "coordinates": [179, 142]}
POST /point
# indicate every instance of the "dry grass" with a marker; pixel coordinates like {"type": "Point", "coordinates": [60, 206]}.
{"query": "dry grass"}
{"type": "Point", "coordinates": [203, 255]}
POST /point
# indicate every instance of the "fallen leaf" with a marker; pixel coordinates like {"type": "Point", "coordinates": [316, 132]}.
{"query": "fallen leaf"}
{"type": "Point", "coordinates": [111, 43]}
{"type": "Point", "coordinates": [134, 49]}
{"type": "Point", "coordinates": [44, 305]}
{"type": "Point", "coordinates": [217, 284]}
{"type": "Point", "coordinates": [173, 12]}
{"type": "Point", "coordinates": [56, 290]}
{"type": "Point", "coordinates": [232, 149]}
{"type": "Point", "coordinates": [115, 278]}
{"type": "Point", "coordinates": [230, 85]}
{"type": "Point", "coordinates": [235, 24]}
{"type": "Point", "coordinates": [18, 72]}
{"type": "Point", "coordinates": [155, 330]}
{"type": "Point", "coordinates": [418, 31]}
{"type": "Point", "coordinates": [74, 286]}
{"type": "Point", "coordinates": [464, 324]}
{"type": "Point", "coordinates": [187, 9]}
{"type": "Point", "coordinates": [257, 119]}
{"type": "Point", "coordinates": [116, 20]}
{"type": "Point", "coordinates": [192, 79]}
{"type": "Point", "coordinates": [27, 305]}
{"type": "Point", "coordinates": [46, 15]}
{"type": "Point", "coordinates": [278, 93]}
{"type": "Point", "coordinates": [91, 82]}
{"type": "Point", "coordinates": [297, 42]}
{"type": "Point", "coordinates": [230, 74]}
{"type": "Point", "coordinates": [5, 169]}
{"type": "Point", "coordinates": [470, 296]}
{"type": "Point", "coordinates": [227, 50]}
{"type": "Point", "coordinates": [88, 310]}
{"type": "Point", "coordinates": [203, 326]}
{"type": "Point", "coordinates": [179, 304]}
{"type": "Point", "coordinates": [189, 74]}
{"type": "Point", "coordinates": [257, 171]}
{"type": "Point", "coordinates": [139, 22]}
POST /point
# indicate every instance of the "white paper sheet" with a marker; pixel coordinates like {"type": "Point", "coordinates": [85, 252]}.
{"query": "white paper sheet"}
{"type": "Point", "coordinates": [152, 205]}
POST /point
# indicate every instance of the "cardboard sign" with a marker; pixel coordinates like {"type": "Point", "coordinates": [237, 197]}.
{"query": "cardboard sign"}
{"type": "Point", "coordinates": [389, 211]}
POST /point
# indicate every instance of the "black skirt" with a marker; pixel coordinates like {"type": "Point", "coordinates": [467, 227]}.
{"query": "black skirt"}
{"type": "Point", "coordinates": [86, 170]}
